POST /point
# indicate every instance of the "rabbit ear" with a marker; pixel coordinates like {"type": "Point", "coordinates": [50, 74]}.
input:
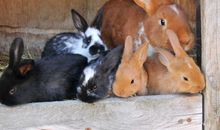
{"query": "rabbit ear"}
{"type": "Point", "coordinates": [177, 48]}
{"type": "Point", "coordinates": [79, 22]}
{"type": "Point", "coordinates": [97, 23]}
{"type": "Point", "coordinates": [24, 67]}
{"type": "Point", "coordinates": [140, 55]}
{"type": "Point", "coordinates": [16, 52]}
{"type": "Point", "coordinates": [165, 56]}
{"type": "Point", "coordinates": [150, 6]}
{"type": "Point", "coordinates": [128, 49]}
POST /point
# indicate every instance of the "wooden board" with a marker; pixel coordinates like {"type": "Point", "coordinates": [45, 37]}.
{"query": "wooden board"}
{"type": "Point", "coordinates": [210, 13]}
{"type": "Point", "coordinates": [41, 14]}
{"type": "Point", "coordinates": [170, 112]}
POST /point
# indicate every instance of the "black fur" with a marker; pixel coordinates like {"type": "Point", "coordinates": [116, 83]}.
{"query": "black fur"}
{"type": "Point", "coordinates": [79, 22]}
{"type": "Point", "coordinates": [49, 79]}
{"type": "Point", "coordinates": [99, 86]}
{"type": "Point", "coordinates": [97, 23]}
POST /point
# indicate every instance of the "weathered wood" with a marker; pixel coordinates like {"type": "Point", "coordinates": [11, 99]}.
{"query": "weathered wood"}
{"type": "Point", "coordinates": [44, 14]}
{"type": "Point", "coordinates": [171, 112]}
{"type": "Point", "coordinates": [210, 14]}
{"type": "Point", "coordinates": [93, 7]}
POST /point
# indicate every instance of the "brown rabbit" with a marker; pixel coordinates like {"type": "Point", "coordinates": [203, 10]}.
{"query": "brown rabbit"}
{"type": "Point", "coordinates": [173, 74]}
{"type": "Point", "coordinates": [131, 77]}
{"type": "Point", "coordinates": [147, 17]}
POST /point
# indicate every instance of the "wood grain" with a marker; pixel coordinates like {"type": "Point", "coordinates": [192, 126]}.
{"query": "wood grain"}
{"type": "Point", "coordinates": [43, 14]}
{"type": "Point", "coordinates": [170, 112]}
{"type": "Point", "coordinates": [210, 14]}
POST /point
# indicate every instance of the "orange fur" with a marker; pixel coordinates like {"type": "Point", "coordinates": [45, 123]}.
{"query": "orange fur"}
{"type": "Point", "coordinates": [123, 17]}
{"type": "Point", "coordinates": [166, 72]}
{"type": "Point", "coordinates": [131, 77]}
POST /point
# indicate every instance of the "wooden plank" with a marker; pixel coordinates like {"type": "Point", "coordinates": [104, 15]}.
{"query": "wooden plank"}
{"type": "Point", "coordinates": [210, 14]}
{"type": "Point", "coordinates": [93, 7]}
{"type": "Point", "coordinates": [165, 112]}
{"type": "Point", "coordinates": [44, 14]}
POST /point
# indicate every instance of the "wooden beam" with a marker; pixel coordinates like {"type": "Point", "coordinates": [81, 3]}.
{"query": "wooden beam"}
{"type": "Point", "coordinates": [176, 112]}
{"type": "Point", "coordinates": [210, 18]}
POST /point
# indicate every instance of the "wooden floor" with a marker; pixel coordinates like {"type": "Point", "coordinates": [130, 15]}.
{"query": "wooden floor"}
{"type": "Point", "coordinates": [171, 112]}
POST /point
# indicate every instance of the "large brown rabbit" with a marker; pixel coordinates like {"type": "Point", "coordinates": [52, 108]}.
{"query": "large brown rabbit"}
{"type": "Point", "coordinates": [131, 77]}
{"type": "Point", "coordinates": [173, 74]}
{"type": "Point", "coordinates": [148, 18]}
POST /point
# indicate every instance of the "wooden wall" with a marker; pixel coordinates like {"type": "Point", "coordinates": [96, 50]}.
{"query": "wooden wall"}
{"type": "Point", "coordinates": [210, 14]}
{"type": "Point", "coordinates": [37, 20]}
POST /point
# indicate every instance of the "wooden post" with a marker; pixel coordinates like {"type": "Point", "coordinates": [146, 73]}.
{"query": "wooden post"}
{"type": "Point", "coordinates": [210, 19]}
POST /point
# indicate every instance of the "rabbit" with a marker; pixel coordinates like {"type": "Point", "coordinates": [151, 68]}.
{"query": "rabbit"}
{"type": "Point", "coordinates": [48, 79]}
{"type": "Point", "coordinates": [149, 18]}
{"type": "Point", "coordinates": [86, 42]}
{"type": "Point", "coordinates": [97, 78]}
{"type": "Point", "coordinates": [168, 73]}
{"type": "Point", "coordinates": [131, 77]}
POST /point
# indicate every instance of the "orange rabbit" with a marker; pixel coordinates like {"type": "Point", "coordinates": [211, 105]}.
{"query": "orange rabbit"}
{"type": "Point", "coordinates": [131, 77]}
{"type": "Point", "coordinates": [173, 74]}
{"type": "Point", "coordinates": [148, 18]}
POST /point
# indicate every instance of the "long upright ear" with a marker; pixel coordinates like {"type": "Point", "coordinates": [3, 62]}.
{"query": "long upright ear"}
{"type": "Point", "coordinates": [79, 22]}
{"type": "Point", "coordinates": [97, 23]}
{"type": "Point", "coordinates": [151, 6]}
{"type": "Point", "coordinates": [128, 49]}
{"type": "Point", "coordinates": [140, 56]}
{"type": "Point", "coordinates": [25, 67]}
{"type": "Point", "coordinates": [165, 56]}
{"type": "Point", "coordinates": [177, 48]}
{"type": "Point", "coordinates": [16, 52]}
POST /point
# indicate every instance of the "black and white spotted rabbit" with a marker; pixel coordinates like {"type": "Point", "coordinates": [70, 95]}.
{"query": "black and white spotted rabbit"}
{"type": "Point", "coordinates": [86, 42]}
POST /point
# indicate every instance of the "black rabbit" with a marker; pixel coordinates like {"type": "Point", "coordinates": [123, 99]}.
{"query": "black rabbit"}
{"type": "Point", "coordinates": [87, 41]}
{"type": "Point", "coordinates": [97, 78]}
{"type": "Point", "coordinates": [49, 79]}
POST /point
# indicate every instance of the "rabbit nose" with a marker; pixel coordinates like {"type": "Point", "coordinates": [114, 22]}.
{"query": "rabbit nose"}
{"type": "Point", "coordinates": [96, 49]}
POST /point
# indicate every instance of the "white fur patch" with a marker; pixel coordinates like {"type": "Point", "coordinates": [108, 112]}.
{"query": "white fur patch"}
{"type": "Point", "coordinates": [151, 50]}
{"type": "Point", "coordinates": [89, 72]}
{"type": "Point", "coordinates": [75, 46]}
{"type": "Point", "coordinates": [95, 34]}
{"type": "Point", "coordinates": [141, 34]}
{"type": "Point", "coordinates": [79, 90]}
{"type": "Point", "coordinates": [174, 8]}
{"type": "Point", "coordinates": [190, 66]}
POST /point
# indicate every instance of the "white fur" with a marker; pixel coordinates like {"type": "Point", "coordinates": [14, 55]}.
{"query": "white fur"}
{"type": "Point", "coordinates": [95, 33]}
{"type": "Point", "coordinates": [174, 8]}
{"type": "Point", "coordinates": [140, 34]}
{"type": "Point", "coordinates": [77, 47]}
{"type": "Point", "coordinates": [79, 90]}
{"type": "Point", "coordinates": [190, 66]}
{"type": "Point", "coordinates": [151, 50]}
{"type": "Point", "coordinates": [89, 72]}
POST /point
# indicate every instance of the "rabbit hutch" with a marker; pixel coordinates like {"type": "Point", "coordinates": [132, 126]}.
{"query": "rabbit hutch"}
{"type": "Point", "coordinates": [38, 20]}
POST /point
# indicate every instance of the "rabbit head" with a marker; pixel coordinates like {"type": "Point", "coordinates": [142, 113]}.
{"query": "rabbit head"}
{"type": "Point", "coordinates": [91, 34]}
{"type": "Point", "coordinates": [162, 15]}
{"type": "Point", "coordinates": [97, 78]}
{"type": "Point", "coordinates": [131, 77]}
{"type": "Point", "coordinates": [17, 71]}
{"type": "Point", "coordinates": [186, 76]}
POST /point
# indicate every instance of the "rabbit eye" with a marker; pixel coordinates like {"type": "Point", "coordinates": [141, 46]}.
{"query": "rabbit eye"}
{"type": "Point", "coordinates": [89, 39]}
{"type": "Point", "coordinates": [162, 22]}
{"type": "Point", "coordinates": [185, 78]}
{"type": "Point", "coordinates": [12, 91]}
{"type": "Point", "coordinates": [132, 81]}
